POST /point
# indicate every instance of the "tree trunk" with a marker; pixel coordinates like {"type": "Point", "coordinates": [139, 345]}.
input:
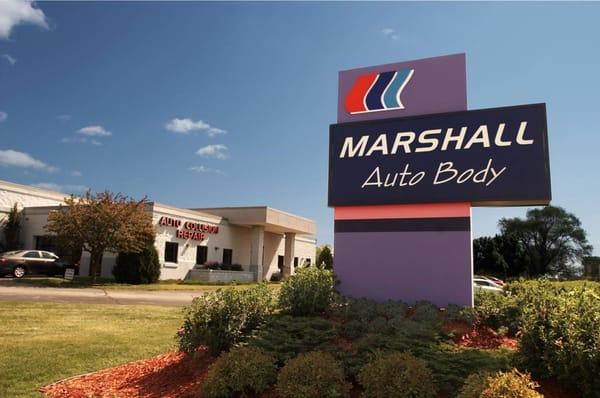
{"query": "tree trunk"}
{"type": "Point", "coordinates": [95, 264]}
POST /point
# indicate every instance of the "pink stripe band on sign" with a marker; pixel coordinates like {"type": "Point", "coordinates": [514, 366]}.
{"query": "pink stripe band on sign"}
{"type": "Point", "coordinates": [427, 210]}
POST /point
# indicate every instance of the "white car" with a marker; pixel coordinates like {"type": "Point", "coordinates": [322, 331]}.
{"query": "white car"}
{"type": "Point", "coordinates": [481, 284]}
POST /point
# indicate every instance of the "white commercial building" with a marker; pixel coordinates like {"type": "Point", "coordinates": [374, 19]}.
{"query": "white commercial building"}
{"type": "Point", "coordinates": [260, 240]}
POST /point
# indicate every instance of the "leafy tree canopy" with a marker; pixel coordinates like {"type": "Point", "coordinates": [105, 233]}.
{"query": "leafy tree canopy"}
{"type": "Point", "coordinates": [102, 222]}
{"type": "Point", "coordinates": [552, 239]}
{"type": "Point", "coordinates": [324, 257]}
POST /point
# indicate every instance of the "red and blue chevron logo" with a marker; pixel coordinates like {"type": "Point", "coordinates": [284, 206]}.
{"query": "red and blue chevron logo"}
{"type": "Point", "coordinates": [375, 92]}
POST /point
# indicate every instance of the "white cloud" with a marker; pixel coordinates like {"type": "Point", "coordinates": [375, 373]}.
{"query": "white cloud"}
{"type": "Point", "coordinates": [3, 116]}
{"type": "Point", "coordinates": [16, 12]}
{"type": "Point", "coordinates": [94, 131]}
{"type": "Point", "coordinates": [11, 60]}
{"type": "Point", "coordinates": [67, 188]}
{"type": "Point", "coordinates": [390, 33]}
{"type": "Point", "coordinates": [207, 170]}
{"type": "Point", "coordinates": [12, 158]}
{"type": "Point", "coordinates": [87, 135]}
{"type": "Point", "coordinates": [76, 173]}
{"type": "Point", "coordinates": [184, 126]}
{"type": "Point", "coordinates": [216, 150]}
{"type": "Point", "coordinates": [64, 118]}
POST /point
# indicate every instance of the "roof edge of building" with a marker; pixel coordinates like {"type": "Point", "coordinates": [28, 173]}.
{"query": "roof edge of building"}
{"type": "Point", "coordinates": [267, 208]}
{"type": "Point", "coordinates": [27, 189]}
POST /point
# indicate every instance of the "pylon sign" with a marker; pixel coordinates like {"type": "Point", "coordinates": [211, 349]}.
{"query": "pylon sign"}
{"type": "Point", "coordinates": [406, 163]}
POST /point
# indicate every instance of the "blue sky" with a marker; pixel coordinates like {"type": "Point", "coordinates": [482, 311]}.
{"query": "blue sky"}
{"type": "Point", "coordinates": [203, 104]}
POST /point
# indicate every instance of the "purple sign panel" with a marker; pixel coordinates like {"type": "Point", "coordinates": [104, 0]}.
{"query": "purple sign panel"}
{"type": "Point", "coordinates": [432, 85]}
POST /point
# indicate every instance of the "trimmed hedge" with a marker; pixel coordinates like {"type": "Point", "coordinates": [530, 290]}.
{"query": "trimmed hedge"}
{"type": "Point", "coordinates": [312, 375]}
{"type": "Point", "coordinates": [243, 370]}
{"type": "Point", "coordinates": [511, 384]}
{"type": "Point", "coordinates": [398, 375]}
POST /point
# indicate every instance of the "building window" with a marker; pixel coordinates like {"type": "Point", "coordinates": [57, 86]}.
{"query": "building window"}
{"type": "Point", "coordinates": [295, 262]}
{"type": "Point", "coordinates": [171, 249]}
{"type": "Point", "coordinates": [307, 262]}
{"type": "Point", "coordinates": [227, 256]}
{"type": "Point", "coordinates": [201, 254]}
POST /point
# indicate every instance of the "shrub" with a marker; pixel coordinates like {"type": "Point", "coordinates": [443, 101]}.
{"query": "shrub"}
{"type": "Point", "coordinates": [497, 310]}
{"type": "Point", "coordinates": [221, 318]}
{"type": "Point", "coordinates": [243, 370]}
{"type": "Point", "coordinates": [397, 375]}
{"type": "Point", "coordinates": [310, 291]}
{"type": "Point", "coordinates": [560, 334]}
{"type": "Point", "coordinates": [502, 385]}
{"type": "Point", "coordinates": [362, 309]}
{"type": "Point", "coordinates": [474, 385]}
{"type": "Point", "coordinates": [426, 312]}
{"type": "Point", "coordinates": [312, 375]}
{"type": "Point", "coordinates": [138, 268]}
{"type": "Point", "coordinates": [285, 337]}
{"type": "Point", "coordinates": [353, 329]}
{"type": "Point", "coordinates": [275, 277]}
{"type": "Point", "coordinates": [380, 325]}
{"type": "Point", "coordinates": [391, 309]}
{"type": "Point", "coordinates": [456, 313]}
{"type": "Point", "coordinates": [231, 267]}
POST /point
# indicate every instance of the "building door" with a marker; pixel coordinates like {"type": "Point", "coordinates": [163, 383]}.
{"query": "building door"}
{"type": "Point", "coordinates": [227, 256]}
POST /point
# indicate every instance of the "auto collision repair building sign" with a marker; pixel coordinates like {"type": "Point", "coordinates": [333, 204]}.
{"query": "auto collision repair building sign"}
{"type": "Point", "coordinates": [485, 157]}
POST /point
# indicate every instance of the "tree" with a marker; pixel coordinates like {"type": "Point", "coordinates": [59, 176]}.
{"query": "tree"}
{"type": "Point", "coordinates": [324, 257]}
{"type": "Point", "coordinates": [12, 228]}
{"type": "Point", "coordinates": [552, 238]}
{"type": "Point", "coordinates": [501, 255]}
{"type": "Point", "coordinates": [138, 268]}
{"type": "Point", "coordinates": [101, 222]}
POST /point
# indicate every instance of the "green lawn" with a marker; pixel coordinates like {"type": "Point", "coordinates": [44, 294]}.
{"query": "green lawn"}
{"type": "Point", "coordinates": [82, 282]}
{"type": "Point", "coordinates": [45, 342]}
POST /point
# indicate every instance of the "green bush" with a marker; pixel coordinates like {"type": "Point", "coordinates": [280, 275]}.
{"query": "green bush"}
{"type": "Point", "coordinates": [312, 375]}
{"type": "Point", "coordinates": [391, 309]}
{"type": "Point", "coordinates": [222, 318]}
{"type": "Point", "coordinates": [310, 291]}
{"type": "Point", "coordinates": [138, 268]}
{"type": "Point", "coordinates": [353, 329]}
{"type": "Point", "coordinates": [560, 334]}
{"type": "Point", "coordinates": [285, 336]}
{"type": "Point", "coordinates": [380, 325]}
{"type": "Point", "coordinates": [474, 385]}
{"type": "Point", "coordinates": [497, 310]}
{"type": "Point", "coordinates": [456, 313]}
{"type": "Point", "coordinates": [243, 370]}
{"type": "Point", "coordinates": [501, 385]}
{"type": "Point", "coordinates": [398, 375]}
{"type": "Point", "coordinates": [426, 312]}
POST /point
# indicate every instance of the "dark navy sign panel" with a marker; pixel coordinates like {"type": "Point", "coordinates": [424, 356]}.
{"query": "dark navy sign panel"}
{"type": "Point", "coordinates": [487, 157]}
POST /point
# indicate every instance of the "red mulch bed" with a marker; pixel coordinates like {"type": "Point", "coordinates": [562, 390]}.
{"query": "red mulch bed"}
{"type": "Point", "coordinates": [167, 376]}
{"type": "Point", "coordinates": [175, 374]}
{"type": "Point", "coordinates": [482, 338]}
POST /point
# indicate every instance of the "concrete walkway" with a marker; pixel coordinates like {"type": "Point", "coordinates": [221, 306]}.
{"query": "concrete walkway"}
{"type": "Point", "coordinates": [96, 296]}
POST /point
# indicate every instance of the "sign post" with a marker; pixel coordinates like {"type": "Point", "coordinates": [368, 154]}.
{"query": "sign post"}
{"type": "Point", "coordinates": [406, 163]}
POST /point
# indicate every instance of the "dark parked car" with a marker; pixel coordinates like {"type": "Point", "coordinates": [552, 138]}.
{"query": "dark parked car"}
{"type": "Point", "coordinates": [31, 262]}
